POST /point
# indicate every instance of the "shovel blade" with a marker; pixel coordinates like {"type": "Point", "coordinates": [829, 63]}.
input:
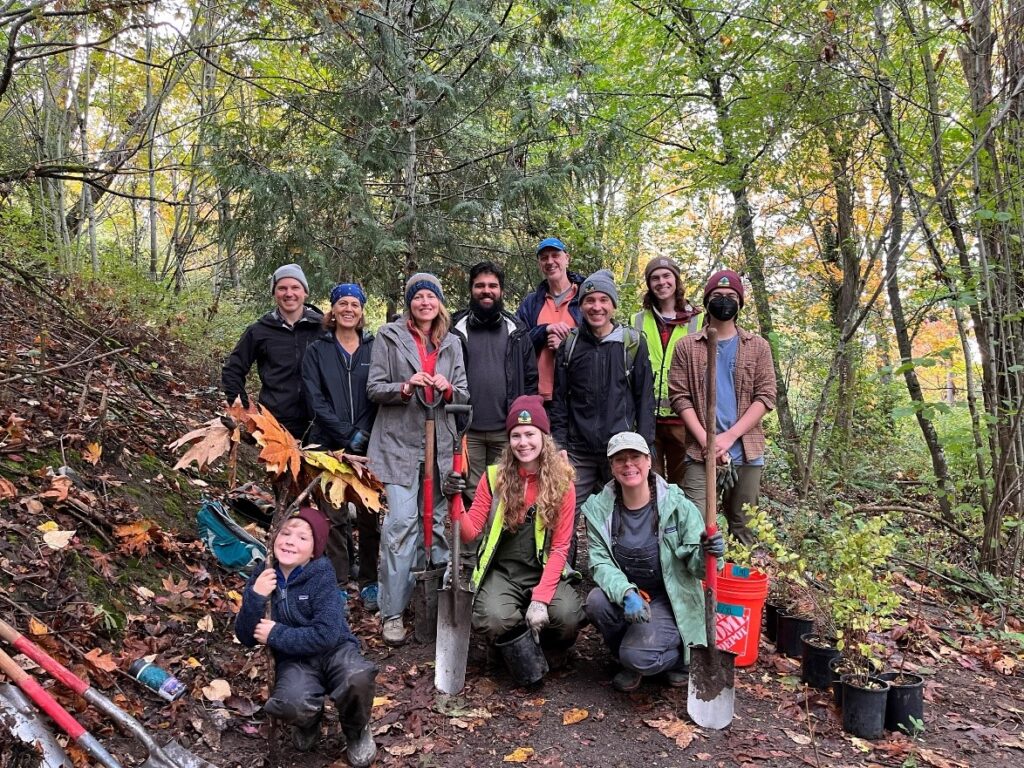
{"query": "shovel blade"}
{"type": "Point", "coordinates": [454, 616]}
{"type": "Point", "coordinates": [711, 697]}
{"type": "Point", "coordinates": [173, 755]}
{"type": "Point", "coordinates": [424, 604]}
{"type": "Point", "coordinates": [19, 717]}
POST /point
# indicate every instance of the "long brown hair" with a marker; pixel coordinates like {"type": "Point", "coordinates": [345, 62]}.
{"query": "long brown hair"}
{"type": "Point", "coordinates": [439, 326]}
{"type": "Point", "coordinates": [554, 478]}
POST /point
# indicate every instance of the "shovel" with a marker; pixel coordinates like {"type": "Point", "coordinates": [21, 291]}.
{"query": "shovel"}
{"type": "Point", "coordinates": [429, 579]}
{"type": "Point", "coordinates": [454, 601]}
{"type": "Point", "coordinates": [19, 717]}
{"type": "Point", "coordinates": [64, 719]}
{"type": "Point", "coordinates": [171, 755]}
{"type": "Point", "coordinates": [711, 697]}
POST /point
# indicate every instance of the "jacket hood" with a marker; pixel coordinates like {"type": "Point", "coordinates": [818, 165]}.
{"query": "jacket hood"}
{"type": "Point", "coordinates": [310, 314]}
{"type": "Point", "coordinates": [460, 322]}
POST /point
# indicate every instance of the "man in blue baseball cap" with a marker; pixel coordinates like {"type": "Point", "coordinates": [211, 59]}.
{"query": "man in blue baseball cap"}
{"type": "Point", "coordinates": [552, 310]}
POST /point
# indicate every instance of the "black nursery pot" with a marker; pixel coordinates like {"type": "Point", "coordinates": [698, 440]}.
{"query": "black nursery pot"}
{"type": "Point", "coordinates": [818, 651]}
{"type": "Point", "coordinates": [836, 677]}
{"type": "Point", "coordinates": [864, 707]}
{"type": "Point", "coordinates": [771, 620]}
{"type": "Point", "coordinates": [906, 700]}
{"type": "Point", "coordinates": [787, 641]}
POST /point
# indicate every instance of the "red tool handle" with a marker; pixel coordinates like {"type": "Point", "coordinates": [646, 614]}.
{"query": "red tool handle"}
{"type": "Point", "coordinates": [23, 645]}
{"type": "Point", "coordinates": [711, 481]}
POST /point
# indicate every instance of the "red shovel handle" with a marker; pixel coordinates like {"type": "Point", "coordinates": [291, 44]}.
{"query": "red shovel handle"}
{"type": "Point", "coordinates": [23, 645]}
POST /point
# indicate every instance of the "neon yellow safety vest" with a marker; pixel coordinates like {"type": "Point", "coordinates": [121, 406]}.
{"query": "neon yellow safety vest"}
{"type": "Point", "coordinates": [661, 359]}
{"type": "Point", "coordinates": [489, 544]}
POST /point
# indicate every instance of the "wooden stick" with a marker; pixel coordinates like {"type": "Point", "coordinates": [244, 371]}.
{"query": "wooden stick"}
{"type": "Point", "coordinates": [17, 376]}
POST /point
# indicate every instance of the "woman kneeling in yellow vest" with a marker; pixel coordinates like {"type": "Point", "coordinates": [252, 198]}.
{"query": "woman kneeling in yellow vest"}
{"type": "Point", "coordinates": [524, 508]}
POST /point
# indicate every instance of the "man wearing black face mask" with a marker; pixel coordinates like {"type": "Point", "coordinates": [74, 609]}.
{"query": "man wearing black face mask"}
{"type": "Point", "coordinates": [745, 392]}
{"type": "Point", "coordinates": [500, 366]}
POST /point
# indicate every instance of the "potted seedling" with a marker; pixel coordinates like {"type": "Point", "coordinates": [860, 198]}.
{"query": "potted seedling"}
{"type": "Point", "coordinates": [861, 600]}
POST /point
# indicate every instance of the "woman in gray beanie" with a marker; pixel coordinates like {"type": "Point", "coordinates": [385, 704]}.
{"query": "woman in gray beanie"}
{"type": "Point", "coordinates": [415, 362]}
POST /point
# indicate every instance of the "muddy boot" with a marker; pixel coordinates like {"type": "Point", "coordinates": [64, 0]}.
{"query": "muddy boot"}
{"type": "Point", "coordinates": [678, 676]}
{"type": "Point", "coordinates": [361, 749]}
{"type": "Point", "coordinates": [394, 631]}
{"type": "Point", "coordinates": [627, 680]}
{"type": "Point", "coordinates": [305, 737]}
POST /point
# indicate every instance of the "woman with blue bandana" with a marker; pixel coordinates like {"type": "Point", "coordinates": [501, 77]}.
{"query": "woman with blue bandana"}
{"type": "Point", "coordinates": [416, 367]}
{"type": "Point", "coordinates": [335, 371]}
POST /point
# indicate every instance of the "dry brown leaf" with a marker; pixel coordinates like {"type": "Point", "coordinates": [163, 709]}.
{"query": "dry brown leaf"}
{"type": "Point", "coordinates": [214, 440]}
{"type": "Point", "coordinates": [218, 690]}
{"type": "Point", "coordinates": [135, 537]}
{"type": "Point", "coordinates": [58, 539]}
{"type": "Point", "coordinates": [36, 627]}
{"type": "Point", "coordinates": [672, 727]}
{"type": "Point", "coordinates": [7, 489]}
{"type": "Point", "coordinates": [281, 451]}
{"type": "Point", "coordinates": [33, 505]}
{"type": "Point", "coordinates": [800, 738]}
{"type": "Point", "coordinates": [574, 715]}
{"type": "Point", "coordinates": [401, 750]}
{"type": "Point", "coordinates": [58, 490]}
{"type": "Point", "coordinates": [937, 760]}
{"type": "Point", "coordinates": [205, 624]}
{"type": "Point", "coordinates": [92, 453]}
{"type": "Point", "coordinates": [102, 661]}
{"type": "Point", "coordinates": [518, 755]}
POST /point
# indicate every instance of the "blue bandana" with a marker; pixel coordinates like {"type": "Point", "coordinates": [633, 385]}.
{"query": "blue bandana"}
{"type": "Point", "coordinates": [348, 289]}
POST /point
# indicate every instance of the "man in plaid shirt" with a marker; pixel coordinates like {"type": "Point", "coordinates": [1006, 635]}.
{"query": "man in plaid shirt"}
{"type": "Point", "coordinates": [745, 392]}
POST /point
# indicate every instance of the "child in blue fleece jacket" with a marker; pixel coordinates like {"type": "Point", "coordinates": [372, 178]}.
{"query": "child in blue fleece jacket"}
{"type": "Point", "coordinates": [315, 652]}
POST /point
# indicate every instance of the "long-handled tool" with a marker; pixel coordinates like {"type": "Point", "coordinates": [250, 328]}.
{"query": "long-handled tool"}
{"type": "Point", "coordinates": [455, 601]}
{"type": "Point", "coordinates": [711, 698]}
{"type": "Point", "coordinates": [429, 579]}
{"type": "Point", "coordinates": [64, 719]}
{"type": "Point", "coordinates": [19, 717]}
{"type": "Point", "coordinates": [170, 755]}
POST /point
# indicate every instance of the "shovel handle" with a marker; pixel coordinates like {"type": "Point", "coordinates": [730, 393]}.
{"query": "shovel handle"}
{"type": "Point", "coordinates": [64, 719]}
{"type": "Point", "coordinates": [711, 481]}
{"type": "Point", "coordinates": [64, 675]}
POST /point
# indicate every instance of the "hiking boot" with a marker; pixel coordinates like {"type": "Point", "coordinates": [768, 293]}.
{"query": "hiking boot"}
{"type": "Point", "coordinates": [394, 631]}
{"type": "Point", "coordinates": [678, 676]}
{"type": "Point", "coordinates": [368, 595]}
{"type": "Point", "coordinates": [361, 749]}
{"type": "Point", "coordinates": [305, 737]}
{"type": "Point", "coordinates": [627, 680]}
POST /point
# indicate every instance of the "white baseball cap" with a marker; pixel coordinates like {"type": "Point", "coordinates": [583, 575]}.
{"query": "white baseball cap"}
{"type": "Point", "coordinates": [628, 441]}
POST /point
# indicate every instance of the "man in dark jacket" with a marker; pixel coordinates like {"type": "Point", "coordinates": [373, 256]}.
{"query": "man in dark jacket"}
{"type": "Point", "coordinates": [603, 386]}
{"type": "Point", "coordinates": [552, 310]}
{"type": "Point", "coordinates": [276, 343]}
{"type": "Point", "coordinates": [500, 366]}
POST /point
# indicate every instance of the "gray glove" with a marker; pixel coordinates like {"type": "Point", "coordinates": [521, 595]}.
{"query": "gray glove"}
{"type": "Point", "coordinates": [713, 545]}
{"type": "Point", "coordinates": [726, 477]}
{"type": "Point", "coordinates": [454, 484]}
{"type": "Point", "coordinates": [537, 618]}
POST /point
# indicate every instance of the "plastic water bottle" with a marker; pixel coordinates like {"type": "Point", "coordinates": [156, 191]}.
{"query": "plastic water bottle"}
{"type": "Point", "coordinates": [158, 680]}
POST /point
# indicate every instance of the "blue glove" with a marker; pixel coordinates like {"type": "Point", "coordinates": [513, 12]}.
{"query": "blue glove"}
{"type": "Point", "coordinates": [358, 443]}
{"type": "Point", "coordinates": [636, 609]}
{"type": "Point", "coordinates": [713, 545]}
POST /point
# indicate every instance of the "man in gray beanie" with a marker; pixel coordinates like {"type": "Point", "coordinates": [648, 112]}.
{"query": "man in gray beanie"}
{"type": "Point", "coordinates": [603, 386]}
{"type": "Point", "coordinates": [276, 343]}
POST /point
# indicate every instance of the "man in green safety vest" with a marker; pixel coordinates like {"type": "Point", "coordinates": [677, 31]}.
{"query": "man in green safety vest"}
{"type": "Point", "coordinates": [665, 319]}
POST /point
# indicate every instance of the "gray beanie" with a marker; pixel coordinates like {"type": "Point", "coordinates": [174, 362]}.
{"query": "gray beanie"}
{"type": "Point", "coordinates": [601, 281]}
{"type": "Point", "coordinates": [421, 281]}
{"type": "Point", "coordinates": [289, 270]}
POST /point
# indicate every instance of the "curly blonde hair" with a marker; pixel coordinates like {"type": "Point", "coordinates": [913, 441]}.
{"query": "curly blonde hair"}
{"type": "Point", "coordinates": [554, 478]}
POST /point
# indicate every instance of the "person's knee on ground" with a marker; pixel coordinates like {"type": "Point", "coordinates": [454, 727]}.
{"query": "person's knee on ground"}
{"type": "Point", "coordinates": [607, 617]}
{"type": "Point", "coordinates": [294, 708]}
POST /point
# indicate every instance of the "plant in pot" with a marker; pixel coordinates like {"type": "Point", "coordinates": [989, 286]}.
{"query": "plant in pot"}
{"type": "Point", "coordinates": [787, 586]}
{"type": "Point", "coordinates": [860, 600]}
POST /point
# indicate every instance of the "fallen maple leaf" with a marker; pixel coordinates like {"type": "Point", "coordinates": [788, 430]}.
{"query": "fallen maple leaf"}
{"type": "Point", "coordinates": [58, 490]}
{"type": "Point", "coordinates": [214, 440]}
{"type": "Point", "coordinates": [940, 761]}
{"type": "Point", "coordinates": [206, 623]}
{"type": "Point", "coordinates": [135, 537]}
{"type": "Point", "coordinates": [58, 539]}
{"type": "Point", "coordinates": [672, 727]}
{"type": "Point", "coordinates": [102, 661]}
{"type": "Point", "coordinates": [36, 627]}
{"type": "Point", "coordinates": [573, 716]}
{"type": "Point", "coordinates": [518, 755]}
{"type": "Point", "coordinates": [92, 452]}
{"type": "Point", "coordinates": [7, 489]}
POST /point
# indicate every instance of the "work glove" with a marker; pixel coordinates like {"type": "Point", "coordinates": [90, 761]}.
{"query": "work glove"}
{"type": "Point", "coordinates": [454, 484]}
{"type": "Point", "coordinates": [726, 476]}
{"type": "Point", "coordinates": [537, 618]}
{"type": "Point", "coordinates": [358, 443]}
{"type": "Point", "coordinates": [636, 608]}
{"type": "Point", "coordinates": [713, 545]}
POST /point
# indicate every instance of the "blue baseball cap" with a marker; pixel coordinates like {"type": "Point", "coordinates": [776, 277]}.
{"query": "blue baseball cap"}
{"type": "Point", "coordinates": [550, 242]}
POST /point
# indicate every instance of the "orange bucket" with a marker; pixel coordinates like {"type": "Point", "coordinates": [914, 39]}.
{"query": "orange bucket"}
{"type": "Point", "coordinates": [741, 596]}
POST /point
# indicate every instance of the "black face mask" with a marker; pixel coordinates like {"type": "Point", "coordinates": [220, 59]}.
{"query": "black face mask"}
{"type": "Point", "coordinates": [723, 307]}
